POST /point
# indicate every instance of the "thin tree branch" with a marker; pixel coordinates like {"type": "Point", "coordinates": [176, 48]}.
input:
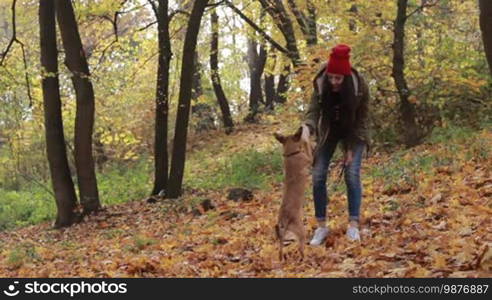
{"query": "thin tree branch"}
{"type": "Point", "coordinates": [131, 9]}
{"type": "Point", "coordinates": [178, 11]}
{"type": "Point", "coordinates": [154, 6]}
{"type": "Point", "coordinates": [26, 74]}
{"type": "Point", "coordinates": [214, 5]}
{"type": "Point", "coordinates": [258, 29]}
{"type": "Point", "coordinates": [14, 38]}
{"type": "Point", "coordinates": [425, 3]}
{"type": "Point", "coordinates": [114, 22]}
{"type": "Point", "coordinates": [24, 59]}
{"type": "Point", "coordinates": [147, 26]}
{"type": "Point", "coordinates": [32, 179]}
{"type": "Point", "coordinates": [10, 74]}
{"type": "Point", "coordinates": [103, 53]}
{"type": "Point", "coordinates": [115, 25]}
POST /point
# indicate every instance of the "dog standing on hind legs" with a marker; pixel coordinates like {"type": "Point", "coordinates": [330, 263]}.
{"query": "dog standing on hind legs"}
{"type": "Point", "coordinates": [298, 158]}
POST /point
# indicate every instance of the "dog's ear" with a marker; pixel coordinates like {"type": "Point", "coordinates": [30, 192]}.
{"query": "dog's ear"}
{"type": "Point", "coordinates": [280, 137]}
{"type": "Point", "coordinates": [298, 134]}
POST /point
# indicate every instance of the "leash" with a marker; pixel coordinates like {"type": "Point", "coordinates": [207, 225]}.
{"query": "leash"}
{"type": "Point", "coordinates": [342, 170]}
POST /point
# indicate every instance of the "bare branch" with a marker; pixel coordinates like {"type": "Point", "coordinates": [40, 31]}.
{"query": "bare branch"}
{"type": "Point", "coordinates": [178, 11]}
{"type": "Point", "coordinates": [425, 4]}
{"type": "Point", "coordinates": [173, 14]}
{"type": "Point", "coordinates": [12, 40]}
{"type": "Point", "coordinates": [4, 54]}
{"type": "Point", "coordinates": [214, 5]}
{"type": "Point", "coordinates": [12, 77]}
{"type": "Point", "coordinates": [131, 9]}
{"type": "Point", "coordinates": [154, 6]}
{"type": "Point", "coordinates": [258, 29]}
{"type": "Point", "coordinates": [147, 26]}
{"type": "Point", "coordinates": [39, 183]}
{"type": "Point", "coordinates": [26, 74]}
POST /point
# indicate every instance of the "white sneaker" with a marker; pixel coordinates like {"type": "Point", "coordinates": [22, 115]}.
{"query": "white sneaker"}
{"type": "Point", "coordinates": [319, 237]}
{"type": "Point", "coordinates": [353, 233]}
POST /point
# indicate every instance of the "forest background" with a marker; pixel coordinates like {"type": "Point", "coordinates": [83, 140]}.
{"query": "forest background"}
{"type": "Point", "coordinates": [185, 98]}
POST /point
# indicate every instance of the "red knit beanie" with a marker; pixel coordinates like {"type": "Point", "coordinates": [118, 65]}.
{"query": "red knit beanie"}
{"type": "Point", "coordinates": [339, 60]}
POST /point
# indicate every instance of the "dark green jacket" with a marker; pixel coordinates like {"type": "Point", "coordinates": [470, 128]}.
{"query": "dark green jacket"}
{"type": "Point", "coordinates": [318, 121]}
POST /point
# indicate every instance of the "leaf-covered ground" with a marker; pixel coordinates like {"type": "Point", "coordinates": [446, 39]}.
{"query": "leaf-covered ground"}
{"type": "Point", "coordinates": [432, 222]}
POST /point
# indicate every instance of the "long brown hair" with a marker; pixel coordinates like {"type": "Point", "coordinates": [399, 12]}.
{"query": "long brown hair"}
{"type": "Point", "coordinates": [348, 108]}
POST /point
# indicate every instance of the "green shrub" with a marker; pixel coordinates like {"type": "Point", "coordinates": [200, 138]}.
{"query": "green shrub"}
{"type": "Point", "coordinates": [121, 183]}
{"type": "Point", "coordinates": [21, 208]}
{"type": "Point", "coordinates": [33, 203]}
{"type": "Point", "coordinates": [248, 169]}
{"type": "Point", "coordinates": [452, 134]}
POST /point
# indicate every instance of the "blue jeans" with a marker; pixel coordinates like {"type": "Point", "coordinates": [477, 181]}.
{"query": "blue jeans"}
{"type": "Point", "coordinates": [352, 180]}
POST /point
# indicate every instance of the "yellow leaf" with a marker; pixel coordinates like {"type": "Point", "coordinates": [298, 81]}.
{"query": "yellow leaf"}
{"type": "Point", "coordinates": [440, 261]}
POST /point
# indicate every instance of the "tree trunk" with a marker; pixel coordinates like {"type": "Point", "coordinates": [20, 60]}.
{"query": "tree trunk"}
{"type": "Point", "coordinates": [161, 164]}
{"type": "Point", "coordinates": [62, 183]}
{"type": "Point", "coordinates": [214, 66]}
{"type": "Point", "coordinates": [352, 21]}
{"type": "Point", "coordinates": [196, 90]}
{"type": "Point", "coordinates": [84, 119]}
{"type": "Point", "coordinates": [269, 80]}
{"type": "Point", "coordinates": [412, 133]}
{"type": "Point", "coordinates": [182, 118]}
{"type": "Point", "coordinates": [283, 85]}
{"type": "Point", "coordinates": [203, 113]}
{"type": "Point", "coordinates": [256, 64]}
{"type": "Point", "coordinates": [486, 27]}
{"type": "Point", "coordinates": [311, 23]}
{"type": "Point", "coordinates": [100, 154]}
{"type": "Point", "coordinates": [270, 93]}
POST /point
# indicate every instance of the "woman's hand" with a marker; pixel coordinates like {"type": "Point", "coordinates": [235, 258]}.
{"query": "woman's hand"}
{"type": "Point", "coordinates": [311, 129]}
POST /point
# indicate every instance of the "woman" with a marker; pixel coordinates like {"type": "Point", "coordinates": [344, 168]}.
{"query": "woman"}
{"type": "Point", "coordinates": [338, 113]}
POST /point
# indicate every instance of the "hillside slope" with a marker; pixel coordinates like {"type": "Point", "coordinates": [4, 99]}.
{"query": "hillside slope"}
{"type": "Point", "coordinates": [426, 213]}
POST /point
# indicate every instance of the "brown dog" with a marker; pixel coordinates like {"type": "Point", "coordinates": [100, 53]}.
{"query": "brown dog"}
{"type": "Point", "coordinates": [298, 157]}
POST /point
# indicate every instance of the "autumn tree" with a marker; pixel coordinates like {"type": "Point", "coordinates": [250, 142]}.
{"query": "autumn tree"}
{"type": "Point", "coordinates": [256, 63]}
{"type": "Point", "coordinates": [412, 133]}
{"type": "Point", "coordinates": [282, 20]}
{"type": "Point", "coordinates": [275, 10]}
{"type": "Point", "coordinates": [61, 179]}
{"type": "Point", "coordinates": [161, 97]}
{"type": "Point", "coordinates": [76, 63]}
{"type": "Point", "coordinates": [214, 67]}
{"type": "Point", "coordinates": [182, 118]}
{"type": "Point", "coordinates": [306, 21]}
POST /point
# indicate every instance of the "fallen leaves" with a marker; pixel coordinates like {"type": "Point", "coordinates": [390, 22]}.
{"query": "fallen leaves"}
{"type": "Point", "coordinates": [485, 259]}
{"type": "Point", "coordinates": [440, 227]}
